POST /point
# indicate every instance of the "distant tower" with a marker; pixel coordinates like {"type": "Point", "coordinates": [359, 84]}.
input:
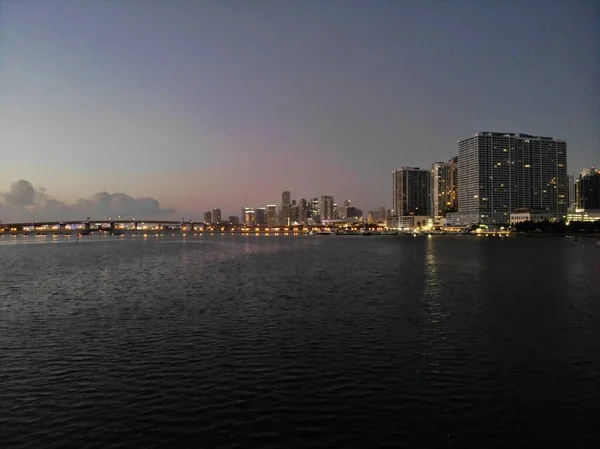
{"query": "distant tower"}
{"type": "Point", "coordinates": [286, 208]}
{"type": "Point", "coordinates": [326, 207]}
{"type": "Point", "coordinates": [216, 215]}
{"type": "Point", "coordinates": [271, 214]}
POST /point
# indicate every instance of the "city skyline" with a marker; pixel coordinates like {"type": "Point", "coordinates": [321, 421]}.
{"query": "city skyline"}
{"type": "Point", "coordinates": [197, 106]}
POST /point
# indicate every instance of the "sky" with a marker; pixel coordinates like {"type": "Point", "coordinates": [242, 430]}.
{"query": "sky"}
{"type": "Point", "coordinates": [202, 104]}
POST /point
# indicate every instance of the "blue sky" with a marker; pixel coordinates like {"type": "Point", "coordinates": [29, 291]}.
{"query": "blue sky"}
{"type": "Point", "coordinates": [227, 103]}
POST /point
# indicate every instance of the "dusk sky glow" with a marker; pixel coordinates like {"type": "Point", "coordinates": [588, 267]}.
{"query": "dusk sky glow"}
{"type": "Point", "coordinates": [203, 104]}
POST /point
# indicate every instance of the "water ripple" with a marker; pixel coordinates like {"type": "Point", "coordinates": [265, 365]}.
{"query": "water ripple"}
{"type": "Point", "coordinates": [244, 341]}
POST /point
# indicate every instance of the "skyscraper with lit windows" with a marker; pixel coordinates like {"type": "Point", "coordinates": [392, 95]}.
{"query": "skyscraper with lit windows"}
{"type": "Point", "coordinates": [499, 173]}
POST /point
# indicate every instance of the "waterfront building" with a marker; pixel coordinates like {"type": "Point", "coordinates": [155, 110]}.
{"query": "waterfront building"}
{"type": "Point", "coordinates": [326, 207]}
{"type": "Point", "coordinates": [583, 215]}
{"type": "Point", "coordinates": [409, 222]}
{"type": "Point", "coordinates": [208, 217]}
{"type": "Point", "coordinates": [260, 216]}
{"type": "Point", "coordinates": [295, 212]}
{"type": "Point", "coordinates": [499, 173]}
{"type": "Point", "coordinates": [286, 209]}
{"type": "Point", "coordinates": [520, 216]}
{"type": "Point", "coordinates": [314, 211]}
{"type": "Point", "coordinates": [272, 218]}
{"type": "Point", "coordinates": [411, 188]}
{"type": "Point", "coordinates": [302, 211]}
{"type": "Point", "coordinates": [377, 216]}
{"type": "Point", "coordinates": [444, 195]}
{"type": "Point", "coordinates": [216, 215]}
{"type": "Point", "coordinates": [248, 215]}
{"type": "Point", "coordinates": [587, 190]}
{"type": "Point", "coordinates": [234, 220]}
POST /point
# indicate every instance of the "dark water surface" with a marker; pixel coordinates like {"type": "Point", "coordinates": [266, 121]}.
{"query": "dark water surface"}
{"type": "Point", "coordinates": [309, 341]}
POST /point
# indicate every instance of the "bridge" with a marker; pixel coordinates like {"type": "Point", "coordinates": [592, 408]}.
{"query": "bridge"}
{"type": "Point", "coordinates": [89, 226]}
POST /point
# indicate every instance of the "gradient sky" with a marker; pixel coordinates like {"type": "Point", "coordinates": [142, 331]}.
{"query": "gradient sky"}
{"type": "Point", "coordinates": [227, 103]}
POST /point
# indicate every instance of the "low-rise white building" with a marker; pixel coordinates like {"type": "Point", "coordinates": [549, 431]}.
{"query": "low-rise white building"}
{"type": "Point", "coordinates": [519, 217]}
{"type": "Point", "coordinates": [409, 222]}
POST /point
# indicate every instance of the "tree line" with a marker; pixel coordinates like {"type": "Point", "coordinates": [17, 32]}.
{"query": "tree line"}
{"type": "Point", "coordinates": [558, 227]}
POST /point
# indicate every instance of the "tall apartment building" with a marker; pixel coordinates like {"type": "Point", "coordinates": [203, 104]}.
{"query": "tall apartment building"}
{"type": "Point", "coordinates": [587, 190]}
{"type": "Point", "coordinates": [208, 217]}
{"type": "Point", "coordinates": [302, 211]}
{"type": "Point", "coordinates": [326, 207]}
{"type": "Point", "coordinates": [248, 215]}
{"type": "Point", "coordinates": [260, 216]}
{"type": "Point", "coordinates": [499, 173]}
{"type": "Point", "coordinates": [294, 212]}
{"type": "Point", "coordinates": [411, 191]}
{"type": "Point", "coordinates": [286, 209]}
{"type": "Point", "coordinates": [444, 185]}
{"type": "Point", "coordinates": [272, 219]}
{"type": "Point", "coordinates": [313, 211]}
{"type": "Point", "coordinates": [216, 215]}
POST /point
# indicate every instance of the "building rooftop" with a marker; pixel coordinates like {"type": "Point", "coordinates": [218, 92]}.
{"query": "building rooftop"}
{"type": "Point", "coordinates": [516, 135]}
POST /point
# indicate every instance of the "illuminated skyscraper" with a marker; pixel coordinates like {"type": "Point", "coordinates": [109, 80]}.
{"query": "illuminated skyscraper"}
{"type": "Point", "coordinates": [499, 173]}
{"type": "Point", "coordinates": [260, 216]}
{"type": "Point", "coordinates": [286, 209]}
{"type": "Point", "coordinates": [248, 215]}
{"type": "Point", "coordinates": [216, 215]}
{"type": "Point", "coordinates": [272, 215]}
{"type": "Point", "coordinates": [587, 190]}
{"type": "Point", "coordinates": [444, 195]}
{"type": "Point", "coordinates": [326, 207]}
{"type": "Point", "coordinates": [411, 189]}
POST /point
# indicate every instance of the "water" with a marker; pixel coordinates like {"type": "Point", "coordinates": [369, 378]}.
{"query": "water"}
{"type": "Point", "coordinates": [307, 341]}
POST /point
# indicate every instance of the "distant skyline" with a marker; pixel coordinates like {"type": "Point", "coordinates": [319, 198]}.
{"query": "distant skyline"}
{"type": "Point", "coordinates": [205, 104]}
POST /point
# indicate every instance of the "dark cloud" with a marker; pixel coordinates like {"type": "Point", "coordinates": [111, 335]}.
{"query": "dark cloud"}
{"type": "Point", "coordinates": [24, 197]}
{"type": "Point", "coordinates": [21, 193]}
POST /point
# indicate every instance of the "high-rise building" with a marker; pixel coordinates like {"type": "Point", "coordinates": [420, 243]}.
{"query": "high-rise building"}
{"type": "Point", "coordinates": [208, 217]}
{"type": "Point", "coordinates": [302, 211]}
{"type": "Point", "coordinates": [326, 207]}
{"type": "Point", "coordinates": [572, 197]}
{"type": "Point", "coordinates": [411, 191]}
{"type": "Point", "coordinates": [295, 212]}
{"type": "Point", "coordinates": [499, 173]}
{"type": "Point", "coordinates": [272, 215]}
{"type": "Point", "coordinates": [286, 209]}
{"type": "Point", "coordinates": [260, 216]}
{"type": "Point", "coordinates": [313, 210]}
{"type": "Point", "coordinates": [248, 215]}
{"type": "Point", "coordinates": [587, 190]}
{"type": "Point", "coordinates": [443, 187]}
{"type": "Point", "coordinates": [216, 215]}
